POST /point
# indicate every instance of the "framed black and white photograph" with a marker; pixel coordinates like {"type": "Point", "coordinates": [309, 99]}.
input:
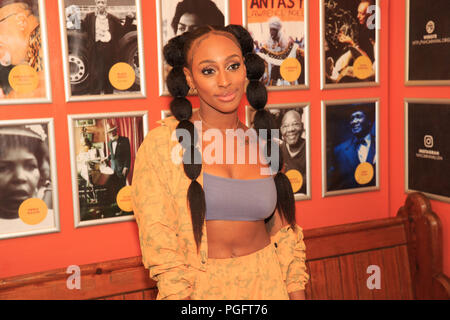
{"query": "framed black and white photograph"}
{"type": "Point", "coordinates": [427, 147]}
{"type": "Point", "coordinates": [102, 157]}
{"type": "Point", "coordinates": [427, 42]}
{"type": "Point", "coordinates": [292, 120]}
{"type": "Point", "coordinates": [175, 17]}
{"type": "Point", "coordinates": [349, 43]}
{"type": "Point", "coordinates": [28, 178]}
{"type": "Point", "coordinates": [350, 146]}
{"type": "Point", "coordinates": [102, 49]}
{"type": "Point", "coordinates": [280, 33]}
{"type": "Point", "coordinates": [24, 63]}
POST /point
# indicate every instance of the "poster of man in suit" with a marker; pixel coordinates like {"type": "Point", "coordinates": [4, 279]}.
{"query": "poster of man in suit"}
{"type": "Point", "coordinates": [351, 146]}
{"type": "Point", "coordinates": [103, 149]}
{"type": "Point", "coordinates": [103, 47]}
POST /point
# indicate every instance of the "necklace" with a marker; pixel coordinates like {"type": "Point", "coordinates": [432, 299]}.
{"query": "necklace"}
{"type": "Point", "coordinates": [212, 127]}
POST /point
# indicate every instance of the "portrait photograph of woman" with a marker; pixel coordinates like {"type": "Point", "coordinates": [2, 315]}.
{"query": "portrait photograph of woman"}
{"type": "Point", "coordinates": [28, 187]}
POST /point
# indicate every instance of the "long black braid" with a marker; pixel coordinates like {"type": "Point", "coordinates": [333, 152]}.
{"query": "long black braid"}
{"type": "Point", "coordinates": [175, 53]}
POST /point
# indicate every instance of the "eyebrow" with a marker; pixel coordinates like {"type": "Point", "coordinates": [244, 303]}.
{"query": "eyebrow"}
{"type": "Point", "coordinates": [212, 61]}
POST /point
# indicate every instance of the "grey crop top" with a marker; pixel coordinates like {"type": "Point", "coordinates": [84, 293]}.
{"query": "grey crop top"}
{"type": "Point", "coordinates": [239, 199]}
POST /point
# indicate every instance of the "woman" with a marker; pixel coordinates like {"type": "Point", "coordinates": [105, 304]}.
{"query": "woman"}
{"type": "Point", "coordinates": [190, 14]}
{"type": "Point", "coordinates": [23, 162]}
{"type": "Point", "coordinates": [202, 225]}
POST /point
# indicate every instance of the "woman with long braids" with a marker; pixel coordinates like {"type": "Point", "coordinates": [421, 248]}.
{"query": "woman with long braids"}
{"type": "Point", "coordinates": [212, 229]}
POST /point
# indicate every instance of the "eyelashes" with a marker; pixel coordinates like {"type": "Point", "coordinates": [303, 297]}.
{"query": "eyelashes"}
{"type": "Point", "coordinates": [232, 67]}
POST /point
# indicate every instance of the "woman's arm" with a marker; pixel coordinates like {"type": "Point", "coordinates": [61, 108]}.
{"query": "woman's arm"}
{"type": "Point", "coordinates": [290, 249]}
{"type": "Point", "coordinates": [156, 215]}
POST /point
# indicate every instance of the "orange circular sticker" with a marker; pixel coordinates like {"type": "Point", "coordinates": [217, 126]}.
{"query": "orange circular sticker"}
{"type": "Point", "coordinates": [124, 199]}
{"type": "Point", "coordinates": [364, 173]}
{"type": "Point", "coordinates": [296, 179]}
{"type": "Point", "coordinates": [23, 79]}
{"type": "Point", "coordinates": [290, 69]}
{"type": "Point", "coordinates": [122, 76]}
{"type": "Point", "coordinates": [362, 67]}
{"type": "Point", "coordinates": [33, 211]}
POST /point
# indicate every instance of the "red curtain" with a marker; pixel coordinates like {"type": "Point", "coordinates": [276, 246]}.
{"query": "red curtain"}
{"type": "Point", "coordinates": [132, 128]}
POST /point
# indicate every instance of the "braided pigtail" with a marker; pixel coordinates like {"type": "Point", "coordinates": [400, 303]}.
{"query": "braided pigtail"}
{"type": "Point", "coordinates": [257, 97]}
{"type": "Point", "coordinates": [187, 135]}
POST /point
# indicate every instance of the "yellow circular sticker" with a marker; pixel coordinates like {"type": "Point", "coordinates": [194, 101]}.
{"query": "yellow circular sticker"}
{"type": "Point", "coordinates": [296, 179]}
{"type": "Point", "coordinates": [362, 67]}
{"type": "Point", "coordinates": [124, 199]}
{"type": "Point", "coordinates": [23, 79]}
{"type": "Point", "coordinates": [33, 211]}
{"type": "Point", "coordinates": [290, 69]}
{"type": "Point", "coordinates": [364, 173]}
{"type": "Point", "coordinates": [122, 76]}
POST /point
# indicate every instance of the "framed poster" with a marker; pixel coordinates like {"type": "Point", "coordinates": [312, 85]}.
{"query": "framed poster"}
{"type": "Point", "coordinates": [350, 146]}
{"type": "Point", "coordinates": [427, 42]}
{"type": "Point", "coordinates": [349, 43]}
{"type": "Point", "coordinates": [102, 155]}
{"type": "Point", "coordinates": [427, 148]}
{"type": "Point", "coordinates": [292, 119]}
{"type": "Point", "coordinates": [102, 49]}
{"type": "Point", "coordinates": [178, 16]}
{"type": "Point", "coordinates": [24, 64]}
{"type": "Point", "coordinates": [28, 181]}
{"type": "Point", "coordinates": [280, 32]}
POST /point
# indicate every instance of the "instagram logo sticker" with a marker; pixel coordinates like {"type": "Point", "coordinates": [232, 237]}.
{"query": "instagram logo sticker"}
{"type": "Point", "coordinates": [428, 141]}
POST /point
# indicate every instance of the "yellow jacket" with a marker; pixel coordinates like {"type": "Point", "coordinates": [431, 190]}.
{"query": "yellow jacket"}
{"type": "Point", "coordinates": [165, 228]}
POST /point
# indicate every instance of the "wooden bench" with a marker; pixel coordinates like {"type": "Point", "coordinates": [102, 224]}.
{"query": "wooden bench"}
{"type": "Point", "coordinates": [407, 250]}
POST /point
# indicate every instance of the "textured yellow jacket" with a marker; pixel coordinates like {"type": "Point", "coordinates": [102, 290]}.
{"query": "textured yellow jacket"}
{"type": "Point", "coordinates": [165, 228]}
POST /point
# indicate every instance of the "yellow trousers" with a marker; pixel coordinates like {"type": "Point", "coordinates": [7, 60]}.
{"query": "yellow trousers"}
{"type": "Point", "coordinates": [256, 276]}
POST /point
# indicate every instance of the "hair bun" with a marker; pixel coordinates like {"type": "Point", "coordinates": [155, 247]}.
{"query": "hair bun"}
{"type": "Point", "coordinates": [173, 51]}
{"type": "Point", "coordinates": [255, 66]}
{"type": "Point", "coordinates": [186, 128]}
{"type": "Point", "coordinates": [176, 82]}
{"type": "Point", "coordinates": [256, 94]}
{"type": "Point", "coordinates": [181, 108]}
{"type": "Point", "coordinates": [243, 36]}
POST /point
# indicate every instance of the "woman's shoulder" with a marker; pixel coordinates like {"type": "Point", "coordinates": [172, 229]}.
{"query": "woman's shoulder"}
{"type": "Point", "coordinates": [160, 136]}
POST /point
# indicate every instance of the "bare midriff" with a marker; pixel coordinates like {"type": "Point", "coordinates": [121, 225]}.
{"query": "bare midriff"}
{"type": "Point", "coordinates": [229, 239]}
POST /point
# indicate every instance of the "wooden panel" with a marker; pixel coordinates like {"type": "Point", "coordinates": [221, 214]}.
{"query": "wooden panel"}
{"type": "Point", "coordinates": [361, 261]}
{"type": "Point", "coordinates": [376, 259]}
{"type": "Point", "coordinates": [150, 294]}
{"type": "Point", "coordinates": [348, 275]}
{"type": "Point", "coordinates": [134, 296]}
{"type": "Point", "coordinates": [364, 240]}
{"type": "Point", "coordinates": [318, 281]}
{"type": "Point", "coordinates": [404, 274]}
{"type": "Point", "coordinates": [390, 274]}
{"type": "Point", "coordinates": [105, 279]}
{"type": "Point", "coordinates": [333, 279]}
{"type": "Point", "coordinates": [308, 291]}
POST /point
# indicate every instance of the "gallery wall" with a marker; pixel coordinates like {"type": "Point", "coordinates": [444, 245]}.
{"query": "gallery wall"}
{"type": "Point", "coordinates": [77, 246]}
{"type": "Point", "coordinates": [397, 93]}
